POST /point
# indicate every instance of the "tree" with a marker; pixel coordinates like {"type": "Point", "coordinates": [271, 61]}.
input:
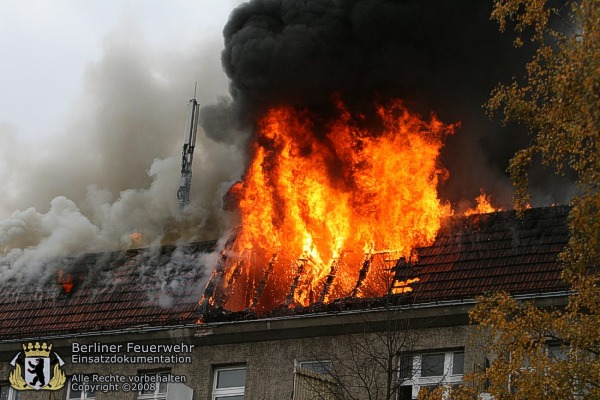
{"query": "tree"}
{"type": "Point", "coordinates": [370, 364]}
{"type": "Point", "coordinates": [378, 357]}
{"type": "Point", "coordinates": [559, 103]}
{"type": "Point", "coordinates": [552, 353]}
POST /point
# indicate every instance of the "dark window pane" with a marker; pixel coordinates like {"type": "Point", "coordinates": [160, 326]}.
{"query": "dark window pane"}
{"type": "Point", "coordinates": [74, 394]}
{"type": "Point", "coordinates": [405, 393]}
{"type": "Point", "coordinates": [162, 387]}
{"type": "Point", "coordinates": [458, 363]}
{"type": "Point", "coordinates": [432, 364]}
{"type": "Point", "coordinates": [320, 367]}
{"type": "Point", "coordinates": [556, 352]}
{"type": "Point", "coordinates": [4, 392]}
{"type": "Point", "coordinates": [406, 367]}
{"type": "Point", "coordinates": [231, 378]}
{"type": "Point", "coordinates": [146, 389]}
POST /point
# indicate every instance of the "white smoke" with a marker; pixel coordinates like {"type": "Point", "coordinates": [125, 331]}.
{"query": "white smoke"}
{"type": "Point", "coordinates": [114, 168]}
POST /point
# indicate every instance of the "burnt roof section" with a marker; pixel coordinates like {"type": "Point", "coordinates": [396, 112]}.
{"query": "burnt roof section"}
{"type": "Point", "coordinates": [471, 256]}
{"type": "Point", "coordinates": [105, 292]}
{"type": "Point", "coordinates": [162, 287]}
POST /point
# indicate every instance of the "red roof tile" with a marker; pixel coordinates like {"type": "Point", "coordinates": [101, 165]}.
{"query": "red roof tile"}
{"type": "Point", "coordinates": [111, 291]}
{"type": "Point", "coordinates": [492, 252]}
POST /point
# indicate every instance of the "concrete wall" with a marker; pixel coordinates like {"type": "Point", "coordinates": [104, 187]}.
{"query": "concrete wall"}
{"type": "Point", "coordinates": [267, 348]}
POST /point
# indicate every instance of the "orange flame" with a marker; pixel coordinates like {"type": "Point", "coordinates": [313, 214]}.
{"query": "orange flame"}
{"type": "Point", "coordinates": [403, 286]}
{"type": "Point", "coordinates": [135, 239]}
{"type": "Point", "coordinates": [323, 204]}
{"type": "Point", "coordinates": [484, 205]}
{"type": "Point", "coordinates": [65, 280]}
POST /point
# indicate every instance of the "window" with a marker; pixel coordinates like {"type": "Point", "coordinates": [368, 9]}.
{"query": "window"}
{"type": "Point", "coordinates": [153, 390]}
{"type": "Point", "coordinates": [556, 352]}
{"type": "Point", "coordinates": [323, 367]}
{"type": "Point", "coordinates": [313, 379]}
{"type": "Point", "coordinates": [432, 364]}
{"type": "Point", "coordinates": [8, 393]}
{"type": "Point", "coordinates": [229, 383]}
{"type": "Point", "coordinates": [458, 363]}
{"type": "Point", "coordinates": [428, 371]}
{"type": "Point", "coordinates": [74, 392]}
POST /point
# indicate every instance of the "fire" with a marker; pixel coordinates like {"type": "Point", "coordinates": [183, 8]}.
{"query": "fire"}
{"type": "Point", "coordinates": [484, 205]}
{"type": "Point", "coordinates": [404, 286]}
{"type": "Point", "coordinates": [65, 280]}
{"type": "Point", "coordinates": [135, 239]}
{"type": "Point", "coordinates": [315, 209]}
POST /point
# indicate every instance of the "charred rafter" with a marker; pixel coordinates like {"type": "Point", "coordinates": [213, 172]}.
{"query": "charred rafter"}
{"type": "Point", "coordinates": [362, 274]}
{"type": "Point", "coordinates": [329, 279]}
{"type": "Point", "coordinates": [301, 265]}
{"type": "Point", "coordinates": [263, 282]}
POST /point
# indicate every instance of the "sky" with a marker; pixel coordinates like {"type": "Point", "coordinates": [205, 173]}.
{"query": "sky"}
{"type": "Point", "coordinates": [47, 46]}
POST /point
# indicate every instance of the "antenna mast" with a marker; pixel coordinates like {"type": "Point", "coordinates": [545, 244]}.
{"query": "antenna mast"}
{"type": "Point", "coordinates": [187, 155]}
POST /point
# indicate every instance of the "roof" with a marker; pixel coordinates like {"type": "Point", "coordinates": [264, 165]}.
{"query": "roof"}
{"type": "Point", "coordinates": [162, 287]}
{"type": "Point", "coordinates": [105, 292]}
{"type": "Point", "coordinates": [487, 253]}
{"type": "Point", "coordinates": [471, 256]}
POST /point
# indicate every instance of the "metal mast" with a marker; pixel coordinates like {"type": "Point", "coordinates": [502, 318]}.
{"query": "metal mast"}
{"type": "Point", "coordinates": [187, 155]}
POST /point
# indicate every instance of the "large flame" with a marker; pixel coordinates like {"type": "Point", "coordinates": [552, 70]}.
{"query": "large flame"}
{"type": "Point", "coordinates": [316, 209]}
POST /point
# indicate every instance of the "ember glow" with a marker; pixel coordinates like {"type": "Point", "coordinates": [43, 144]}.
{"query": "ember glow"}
{"type": "Point", "coordinates": [326, 216]}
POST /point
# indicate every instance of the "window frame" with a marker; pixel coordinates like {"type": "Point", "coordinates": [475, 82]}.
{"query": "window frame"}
{"type": "Point", "coordinates": [156, 395]}
{"type": "Point", "coordinates": [417, 381]}
{"type": "Point", "coordinates": [12, 393]}
{"type": "Point", "coordinates": [224, 393]}
{"type": "Point", "coordinates": [84, 395]}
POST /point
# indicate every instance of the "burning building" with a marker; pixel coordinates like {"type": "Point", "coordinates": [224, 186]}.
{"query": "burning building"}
{"type": "Point", "coordinates": [152, 297]}
{"type": "Point", "coordinates": [344, 220]}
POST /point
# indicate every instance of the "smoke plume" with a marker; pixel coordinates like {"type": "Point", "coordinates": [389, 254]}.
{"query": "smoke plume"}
{"type": "Point", "coordinates": [442, 57]}
{"type": "Point", "coordinates": [114, 168]}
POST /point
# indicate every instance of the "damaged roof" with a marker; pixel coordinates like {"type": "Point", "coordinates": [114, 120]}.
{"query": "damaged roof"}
{"type": "Point", "coordinates": [162, 287]}
{"type": "Point", "coordinates": [105, 292]}
{"type": "Point", "coordinates": [471, 256]}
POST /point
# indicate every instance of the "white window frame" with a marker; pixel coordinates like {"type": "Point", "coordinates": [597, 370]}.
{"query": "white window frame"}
{"type": "Point", "coordinates": [156, 395]}
{"type": "Point", "coordinates": [446, 379]}
{"type": "Point", "coordinates": [230, 391]}
{"type": "Point", "coordinates": [12, 393]}
{"type": "Point", "coordinates": [84, 395]}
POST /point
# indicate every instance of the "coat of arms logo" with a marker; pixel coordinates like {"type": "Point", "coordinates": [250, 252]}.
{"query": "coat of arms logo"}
{"type": "Point", "coordinates": [37, 370]}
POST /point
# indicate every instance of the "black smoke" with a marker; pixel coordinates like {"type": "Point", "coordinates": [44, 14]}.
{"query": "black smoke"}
{"type": "Point", "coordinates": [439, 56]}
